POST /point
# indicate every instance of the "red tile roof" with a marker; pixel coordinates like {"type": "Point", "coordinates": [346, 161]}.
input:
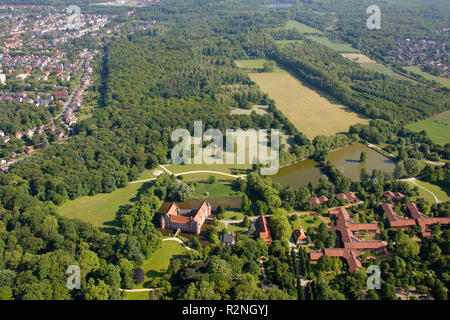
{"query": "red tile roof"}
{"type": "Point", "coordinates": [396, 221]}
{"type": "Point", "coordinates": [352, 245]}
{"type": "Point", "coordinates": [263, 229]}
{"type": "Point", "coordinates": [202, 212]}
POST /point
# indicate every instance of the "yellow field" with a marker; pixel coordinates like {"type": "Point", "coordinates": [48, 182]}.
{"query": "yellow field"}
{"type": "Point", "coordinates": [311, 111]}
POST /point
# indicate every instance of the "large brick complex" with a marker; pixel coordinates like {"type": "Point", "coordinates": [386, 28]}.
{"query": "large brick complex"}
{"type": "Point", "coordinates": [187, 220]}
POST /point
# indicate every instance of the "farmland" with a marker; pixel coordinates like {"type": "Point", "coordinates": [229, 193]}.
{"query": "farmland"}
{"type": "Point", "coordinates": [311, 111]}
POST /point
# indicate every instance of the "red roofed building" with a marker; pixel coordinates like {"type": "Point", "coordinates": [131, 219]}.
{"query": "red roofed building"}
{"type": "Point", "coordinates": [299, 235]}
{"type": "Point", "coordinates": [187, 220]}
{"type": "Point", "coordinates": [394, 196]}
{"type": "Point", "coordinates": [352, 244]}
{"type": "Point", "coordinates": [350, 196]}
{"type": "Point", "coordinates": [318, 201]}
{"type": "Point", "coordinates": [424, 221]}
{"type": "Point", "coordinates": [263, 229]}
{"type": "Point", "coordinates": [396, 221]}
{"type": "Point", "coordinates": [418, 218]}
{"type": "Point", "coordinates": [60, 95]}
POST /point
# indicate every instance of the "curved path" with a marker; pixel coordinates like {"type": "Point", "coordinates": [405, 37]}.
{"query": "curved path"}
{"type": "Point", "coordinates": [191, 172]}
{"type": "Point", "coordinates": [179, 241]}
{"type": "Point", "coordinates": [413, 181]}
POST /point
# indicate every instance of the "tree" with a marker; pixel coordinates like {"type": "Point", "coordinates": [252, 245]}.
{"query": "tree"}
{"type": "Point", "coordinates": [363, 157]}
{"type": "Point", "coordinates": [246, 204]}
{"type": "Point", "coordinates": [212, 179]}
{"type": "Point", "coordinates": [246, 222]}
{"type": "Point", "coordinates": [412, 167]}
{"type": "Point", "coordinates": [6, 293]}
{"type": "Point", "coordinates": [280, 226]}
{"type": "Point", "coordinates": [139, 275]}
{"type": "Point", "coordinates": [269, 66]}
{"type": "Point", "coordinates": [407, 247]}
{"type": "Point", "coordinates": [399, 170]}
{"type": "Point", "coordinates": [372, 295]}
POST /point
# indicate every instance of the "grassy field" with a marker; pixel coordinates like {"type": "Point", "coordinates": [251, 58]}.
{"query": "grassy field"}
{"type": "Point", "coordinates": [101, 209]}
{"type": "Point", "coordinates": [156, 266]}
{"type": "Point", "coordinates": [254, 65]}
{"type": "Point", "coordinates": [443, 117]}
{"type": "Point", "coordinates": [311, 111]}
{"type": "Point", "coordinates": [337, 46]}
{"type": "Point", "coordinates": [310, 221]}
{"type": "Point", "coordinates": [438, 132]}
{"type": "Point", "coordinates": [216, 190]}
{"type": "Point", "coordinates": [441, 80]}
{"type": "Point", "coordinates": [422, 194]}
{"type": "Point", "coordinates": [437, 190]}
{"type": "Point", "coordinates": [229, 215]}
{"type": "Point", "coordinates": [283, 43]}
{"type": "Point", "coordinates": [300, 27]}
{"type": "Point", "coordinates": [369, 64]}
{"type": "Point", "coordinates": [234, 169]}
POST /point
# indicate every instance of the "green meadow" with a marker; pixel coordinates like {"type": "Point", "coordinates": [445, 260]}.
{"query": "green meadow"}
{"type": "Point", "coordinates": [157, 266]}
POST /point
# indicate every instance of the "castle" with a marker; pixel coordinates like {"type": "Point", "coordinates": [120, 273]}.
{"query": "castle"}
{"type": "Point", "coordinates": [187, 220]}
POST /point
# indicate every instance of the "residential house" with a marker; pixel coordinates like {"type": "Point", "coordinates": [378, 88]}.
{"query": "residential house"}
{"type": "Point", "coordinates": [227, 239]}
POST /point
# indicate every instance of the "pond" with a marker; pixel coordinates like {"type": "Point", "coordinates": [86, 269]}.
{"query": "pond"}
{"type": "Point", "coordinates": [345, 159]}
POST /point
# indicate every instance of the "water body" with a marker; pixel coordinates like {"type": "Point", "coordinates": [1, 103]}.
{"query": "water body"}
{"type": "Point", "coordinates": [345, 159]}
{"type": "Point", "coordinates": [278, 5]}
{"type": "Point", "coordinates": [299, 174]}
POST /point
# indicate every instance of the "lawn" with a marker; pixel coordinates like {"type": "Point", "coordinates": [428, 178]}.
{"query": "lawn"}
{"type": "Point", "coordinates": [101, 209]}
{"type": "Point", "coordinates": [156, 266]}
{"type": "Point", "coordinates": [255, 65]}
{"type": "Point", "coordinates": [311, 111]}
{"type": "Point", "coordinates": [437, 190]}
{"type": "Point", "coordinates": [295, 224]}
{"type": "Point", "coordinates": [422, 194]}
{"type": "Point", "coordinates": [205, 190]}
{"type": "Point", "coordinates": [437, 131]}
{"type": "Point", "coordinates": [441, 80]}
{"type": "Point", "coordinates": [310, 221]}
{"type": "Point", "coordinates": [230, 214]}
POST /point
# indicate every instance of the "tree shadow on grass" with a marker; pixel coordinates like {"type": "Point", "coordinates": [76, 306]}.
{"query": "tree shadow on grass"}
{"type": "Point", "coordinates": [141, 190]}
{"type": "Point", "coordinates": [112, 227]}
